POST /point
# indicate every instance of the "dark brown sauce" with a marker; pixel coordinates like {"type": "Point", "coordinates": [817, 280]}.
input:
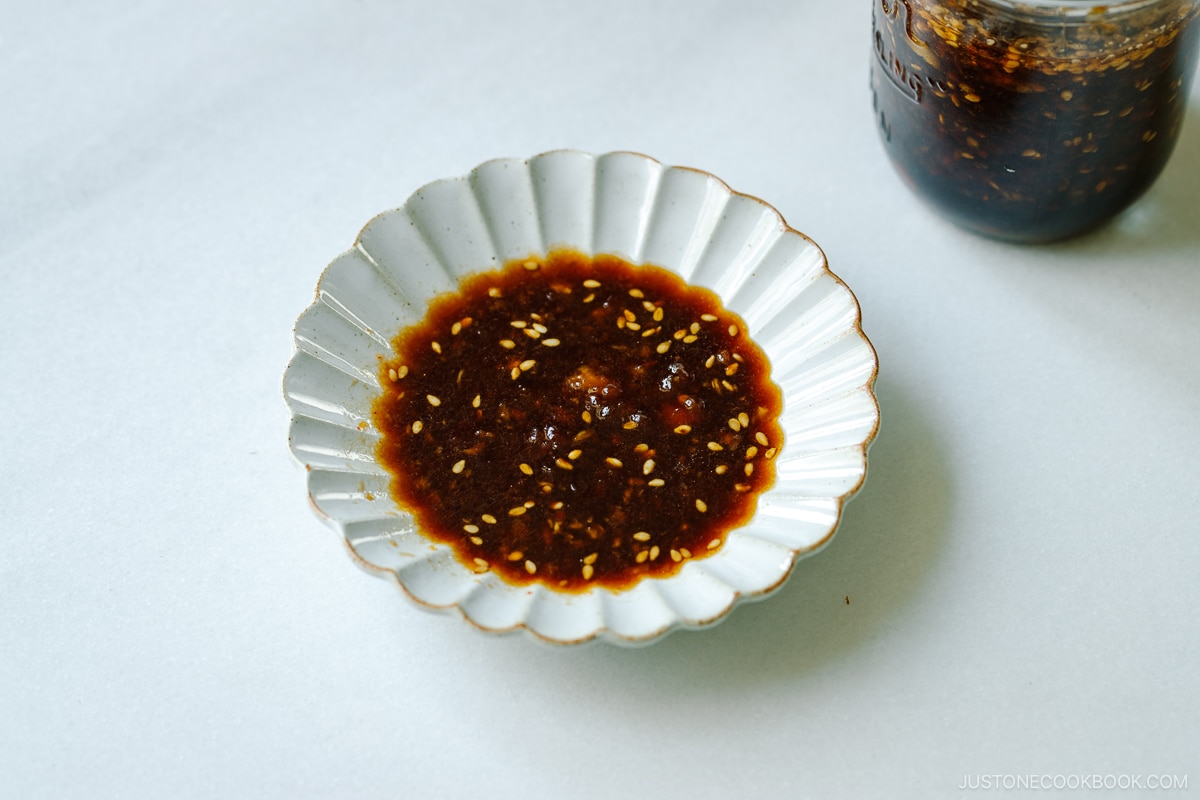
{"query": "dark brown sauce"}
{"type": "Point", "coordinates": [1030, 130]}
{"type": "Point", "coordinates": [578, 422]}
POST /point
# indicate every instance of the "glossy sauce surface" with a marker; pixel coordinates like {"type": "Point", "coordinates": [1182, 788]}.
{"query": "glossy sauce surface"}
{"type": "Point", "coordinates": [578, 422]}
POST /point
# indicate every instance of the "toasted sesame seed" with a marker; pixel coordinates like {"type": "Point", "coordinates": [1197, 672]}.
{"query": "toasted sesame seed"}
{"type": "Point", "coordinates": [690, 338]}
{"type": "Point", "coordinates": [540, 328]}
{"type": "Point", "coordinates": [663, 347]}
{"type": "Point", "coordinates": [591, 283]}
{"type": "Point", "coordinates": [527, 364]}
{"type": "Point", "coordinates": [530, 567]}
{"type": "Point", "coordinates": [516, 373]}
{"type": "Point", "coordinates": [721, 469]}
{"type": "Point", "coordinates": [557, 506]}
{"type": "Point", "coordinates": [476, 540]}
{"type": "Point", "coordinates": [528, 470]}
{"type": "Point", "coordinates": [679, 334]}
{"type": "Point", "coordinates": [683, 551]}
{"type": "Point", "coordinates": [531, 333]}
{"type": "Point", "coordinates": [493, 291]}
{"type": "Point", "coordinates": [732, 330]}
{"type": "Point", "coordinates": [633, 326]}
{"type": "Point", "coordinates": [729, 386]}
{"type": "Point", "coordinates": [507, 344]}
{"type": "Point", "coordinates": [392, 376]}
{"type": "Point", "coordinates": [638, 293]}
{"type": "Point", "coordinates": [471, 528]}
{"type": "Point", "coordinates": [734, 425]}
{"type": "Point", "coordinates": [708, 318]}
{"type": "Point", "coordinates": [437, 348]}
{"type": "Point", "coordinates": [744, 418]}
{"type": "Point", "coordinates": [731, 369]}
{"type": "Point", "coordinates": [675, 556]}
{"type": "Point", "coordinates": [417, 426]}
{"type": "Point", "coordinates": [629, 315]}
{"type": "Point", "coordinates": [709, 362]}
{"type": "Point", "coordinates": [518, 323]}
{"type": "Point", "coordinates": [563, 463]}
{"type": "Point", "coordinates": [517, 511]}
{"type": "Point", "coordinates": [742, 487]}
{"type": "Point", "coordinates": [656, 482]}
{"type": "Point", "coordinates": [476, 401]}
{"type": "Point", "coordinates": [551, 342]}
{"type": "Point", "coordinates": [714, 544]}
{"type": "Point", "coordinates": [589, 298]}
{"type": "Point", "coordinates": [770, 454]}
{"type": "Point", "coordinates": [648, 466]}
{"type": "Point", "coordinates": [749, 468]}
{"type": "Point", "coordinates": [761, 438]}
{"type": "Point", "coordinates": [630, 425]}
{"type": "Point", "coordinates": [654, 551]}
{"type": "Point", "coordinates": [641, 536]}
{"type": "Point", "coordinates": [586, 416]}
{"type": "Point", "coordinates": [641, 448]}
{"type": "Point", "coordinates": [530, 265]}
{"type": "Point", "coordinates": [642, 556]}
{"type": "Point", "coordinates": [400, 373]}
{"type": "Point", "coordinates": [658, 314]}
{"type": "Point", "coordinates": [481, 562]}
{"type": "Point", "coordinates": [701, 506]}
{"type": "Point", "coordinates": [489, 519]}
{"type": "Point", "coordinates": [751, 452]}
{"type": "Point", "coordinates": [574, 454]}
{"type": "Point", "coordinates": [683, 429]}
{"type": "Point", "coordinates": [530, 504]}
{"type": "Point", "coordinates": [458, 466]}
{"type": "Point", "coordinates": [515, 555]}
{"type": "Point", "coordinates": [588, 571]}
{"type": "Point", "coordinates": [434, 400]}
{"type": "Point", "coordinates": [456, 329]}
{"type": "Point", "coordinates": [715, 446]}
{"type": "Point", "coordinates": [613, 462]}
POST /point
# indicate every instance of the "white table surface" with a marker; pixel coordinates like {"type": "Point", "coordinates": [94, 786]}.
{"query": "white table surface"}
{"type": "Point", "coordinates": [1013, 592]}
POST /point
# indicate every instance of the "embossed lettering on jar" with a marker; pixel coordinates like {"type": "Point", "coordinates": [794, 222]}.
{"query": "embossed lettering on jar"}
{"type": "Point", "coordinates": [1032, 121]}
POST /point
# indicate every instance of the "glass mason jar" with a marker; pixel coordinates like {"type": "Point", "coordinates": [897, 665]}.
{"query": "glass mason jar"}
{"type": "Point", "coordinates": [1037, 120]}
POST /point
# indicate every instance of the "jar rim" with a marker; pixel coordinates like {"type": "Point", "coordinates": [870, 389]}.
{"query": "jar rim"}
{"type": "Point", "coordinates": [1081, 9]}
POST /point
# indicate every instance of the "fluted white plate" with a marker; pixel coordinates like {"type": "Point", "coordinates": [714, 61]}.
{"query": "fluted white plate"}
{"type": "Point", "coordinates": [802, 316]}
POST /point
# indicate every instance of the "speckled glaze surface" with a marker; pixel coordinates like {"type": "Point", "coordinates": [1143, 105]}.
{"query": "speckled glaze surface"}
{"type": "Point", "coordinates": [803, 317]}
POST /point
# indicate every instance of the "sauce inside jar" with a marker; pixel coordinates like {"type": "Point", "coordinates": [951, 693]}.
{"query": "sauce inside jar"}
{"type": "Point", "coordinates": [578, 422]}
{"type": "Point", "coordinates": [1027, 126]}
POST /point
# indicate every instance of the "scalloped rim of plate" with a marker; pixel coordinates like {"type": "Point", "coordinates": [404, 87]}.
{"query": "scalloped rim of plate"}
{"type": "Point", "coordinates": [604, 633]}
